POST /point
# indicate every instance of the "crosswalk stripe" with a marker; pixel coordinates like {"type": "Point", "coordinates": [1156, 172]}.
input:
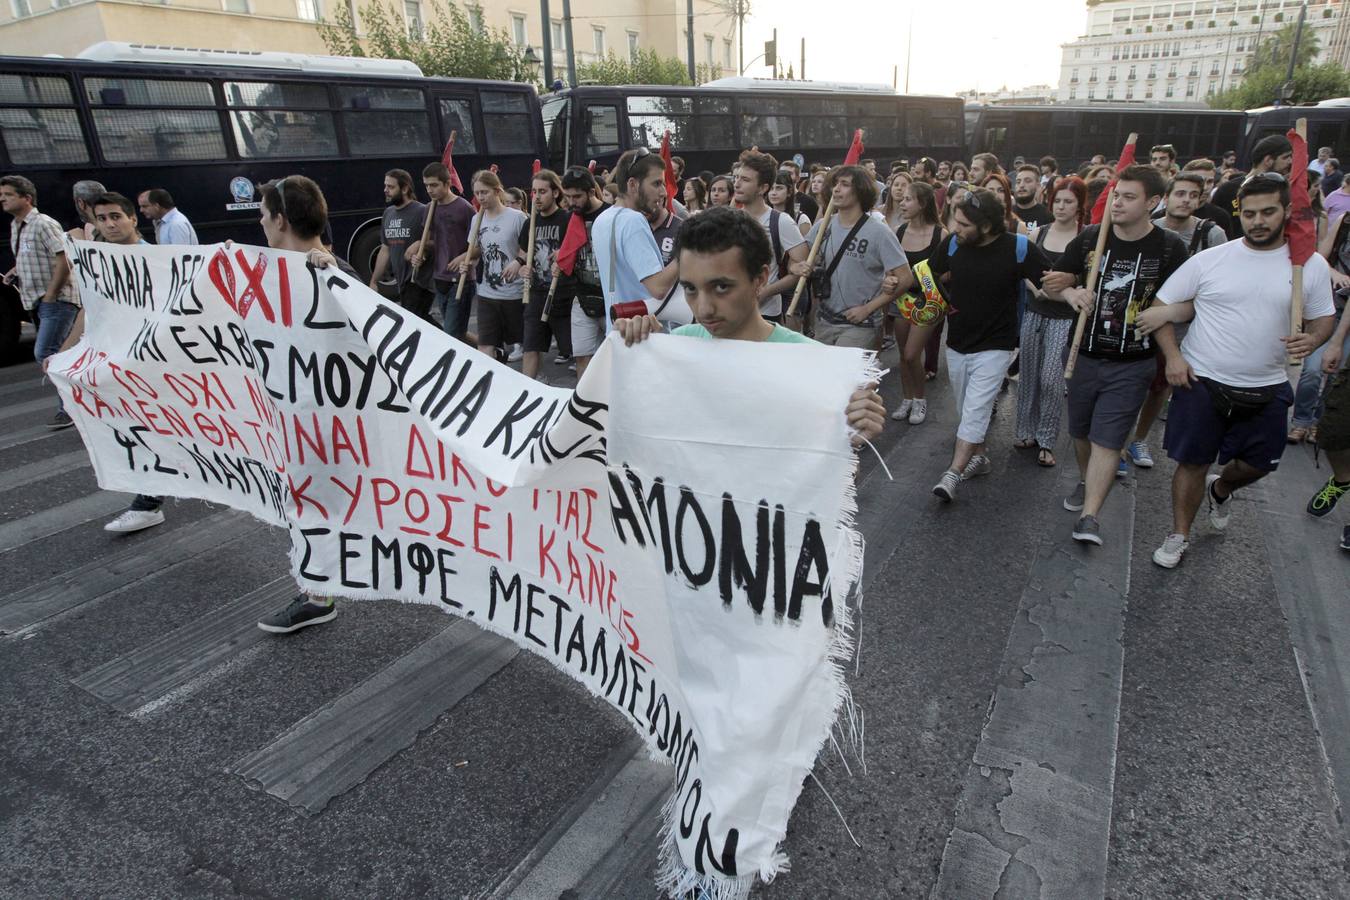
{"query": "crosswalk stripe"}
{"type": "Point", "coordinates": [58, 518]}
{"type": "Point", "coordinates": [1310, 580]}
{"type": "Point", "coordinates": [21, 476]}
{"type": "Point", "coordinates": [337, 747]}
{"type": "Point", "coordinates": [26, 409]}
{"type": "Point", "coordinates": [161, 667]}
{"type": "Point", "coordinates": [28, 436]}
{"type": "Point", "coordinates": [1034, 816]}
{"type": "Point", "coordinates": [142, 557]}
{"type": "Point", "coordinates": [18, 387]}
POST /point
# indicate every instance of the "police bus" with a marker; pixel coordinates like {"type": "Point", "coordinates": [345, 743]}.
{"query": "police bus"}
{"type": "Point", "coordinates": [1328, 125]}
{"type": "Point", "coordinates": [1074, 134]}
{"type": "Point", "coordinates": [210, 126]}
{"type": "Point", "coordinates": [710, 124]}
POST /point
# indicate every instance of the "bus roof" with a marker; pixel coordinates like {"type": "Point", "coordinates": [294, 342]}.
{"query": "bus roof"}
{"type": "Point", "coordinates": [121, 52]}
{"type": "Point", "coordinates": [766, 85]}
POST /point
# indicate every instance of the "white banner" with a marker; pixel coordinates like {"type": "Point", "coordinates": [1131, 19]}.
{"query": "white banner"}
{"type": "Point", "coordinates": [674, 534]}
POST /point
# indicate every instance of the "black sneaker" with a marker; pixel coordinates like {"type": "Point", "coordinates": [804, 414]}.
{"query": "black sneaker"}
{"type": "Point", "coordinates": [61, 420]}
{"type": "Point", "coordinates": [299, 613]}
{"type": "Point", "coordinates": [1324, 501]}
{"type": "Point", "coordinates": [1345, 539]}
{"type": "Point", "coordinates": [1088, 531]}
{"type": "Point", "coordinates": [1074, 502]}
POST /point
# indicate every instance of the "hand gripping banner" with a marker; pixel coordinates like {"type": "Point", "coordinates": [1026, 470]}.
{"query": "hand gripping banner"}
{"type": "Point", "coordinates": [674, 534]}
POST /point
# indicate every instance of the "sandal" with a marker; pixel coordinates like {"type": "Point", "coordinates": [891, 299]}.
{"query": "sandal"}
{"type": "Point", "coordinates": [1046, 457]}
{"type": "Point", "coordinates": [1025, 444]}
{"type": "Point", "coordinates": [1297, 435]}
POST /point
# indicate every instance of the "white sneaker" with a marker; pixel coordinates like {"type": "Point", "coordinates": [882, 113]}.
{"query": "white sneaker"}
{"type": "Point", "coordinates": [902, 411]}
{"type": "Point", "coordinates": [946, 486]}
{"type": "Point", "coordinates": [978, 465]}
{"type": "Point", "coordinates": [1219, 513]}
{"type": "Point", "coordinates": [517, 353]}
{"type": "Point", "coordinates": [1169, 554]}
{"type": "Point", "coordinates": [135, 520]}
{"type": "Point", "coordinates": [919, 412]}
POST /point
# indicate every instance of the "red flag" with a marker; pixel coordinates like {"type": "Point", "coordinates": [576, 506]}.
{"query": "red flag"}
{"type": "Point", "coordinates": [1099, 208]}
{"type": "Point", "coordinates": [855, 150]}
{"type": "Point", "coordinates": [534, 170]}
{"type": "Point", "coordinates": [573, 240]}
{"type": "Point", "coordinates": [671, 186]}
{"type": "Point", "coordinates": [1301, 228]}
{"type": "Point", "coordinates": [448, 157]}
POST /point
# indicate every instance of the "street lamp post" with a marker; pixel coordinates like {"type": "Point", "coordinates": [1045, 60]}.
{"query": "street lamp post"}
{"type": "Point", "coordinates": [1223, 75]}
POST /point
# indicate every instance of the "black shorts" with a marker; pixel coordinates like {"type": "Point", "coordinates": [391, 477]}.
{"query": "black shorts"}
{"type": "Point", "coordinates": [1105, 397]}
{"type": "Point", "coordinates": [1197, 435]}
{"type": "Point", "coordinates": [416, 299]}
{"type": "Point", "coordinates": [1333, 429]}
{"type": "Point", "coordinates": [540, 333]}
{"type": "Point", "coordinates": [500, 322]}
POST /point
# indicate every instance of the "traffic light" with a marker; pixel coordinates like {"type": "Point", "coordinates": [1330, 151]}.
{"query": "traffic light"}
{"type": "Point", "coordinates": [770, 54]}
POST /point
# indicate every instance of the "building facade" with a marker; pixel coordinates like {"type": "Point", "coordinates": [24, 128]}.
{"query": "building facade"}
{"type": "Point", "coordinates": [599, 27]}
{"type": "Point", "coordinates": [1183, 53]}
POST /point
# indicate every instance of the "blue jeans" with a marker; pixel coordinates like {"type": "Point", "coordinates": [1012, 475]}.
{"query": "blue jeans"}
{"type": "Point", "coordinates": [454, 314]}
{"type": "Point", "coordinates": [54, 321]}
{"type": "Point", "coordinates": [1307, 395]}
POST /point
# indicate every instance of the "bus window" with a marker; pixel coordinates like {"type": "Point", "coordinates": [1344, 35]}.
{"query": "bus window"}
{"type": "Point", "coordinates": [716, 127]}
{"type": "Point", "coordinates": [277, 120]}
{"type": "Point", "coordinates": [649, 118]}
{"type": "Point", "coordinates": [145, 120]}
{"type": "Point", "coordinates": [877, 119]}
{"type": "Point", "coordinates": [945, 130]}
{"type": "Point", "coordinates": [770, 125]}
{"type": "Point", "coordinates": [384, 121]}
{"type": "Point", "coordinates": [32, 130]}
{"type": "Point", "coordinates": [507, 122]}
{"type": "Point", "coordinates": [600, 126]}
{"type": "Point", "coordinates": [555, 111]}
{"type": "Point", "coordinates": [823, 123]}
{"type": "Point", "coordinates": [456, 116]}
{"type": "Point", "coordinates": [916, 127]}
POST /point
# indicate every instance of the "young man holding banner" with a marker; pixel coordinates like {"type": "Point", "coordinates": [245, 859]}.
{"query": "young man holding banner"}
{"type": "Point", "coordinates": [724, 257]}
{"type": "Point", "coordinates": [1117, 364]}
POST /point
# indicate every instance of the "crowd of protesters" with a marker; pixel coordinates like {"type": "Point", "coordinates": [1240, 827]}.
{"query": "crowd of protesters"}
{"type": "Point", "coordinates": [1189, 312]}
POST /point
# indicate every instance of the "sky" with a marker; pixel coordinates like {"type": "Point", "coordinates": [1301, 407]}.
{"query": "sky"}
{"type": "Point", "coordinates": [975, 43]}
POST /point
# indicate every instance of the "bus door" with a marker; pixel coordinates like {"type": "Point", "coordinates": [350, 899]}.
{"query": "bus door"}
{"type": "Point", "coordinates": [601, 133]}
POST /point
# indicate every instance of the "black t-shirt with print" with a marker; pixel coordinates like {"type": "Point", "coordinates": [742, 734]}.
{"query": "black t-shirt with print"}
{"type": "Point", "coordinates": [548, 236]}
{"type": "Point", "coordinates": [1131, 273]}
{"type": "Point", "coordinates": [983, 291]}
{"type": "Point", "coordinates": [1033, 216]}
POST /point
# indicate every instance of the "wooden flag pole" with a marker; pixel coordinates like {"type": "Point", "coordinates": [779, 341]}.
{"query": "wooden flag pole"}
{"type": "Point", "coordinates": [426, 225]}
{"type": "Point", "coordinates": [473, 245]}
{"type": "Point", "coordinates": [1296, 279]}
{"type": "Point", "coordinates": [529, 250]}
{"type": "Point", "coordinates": [1093, 274]}
{"type": "Point", "coordinates": [811, 257]}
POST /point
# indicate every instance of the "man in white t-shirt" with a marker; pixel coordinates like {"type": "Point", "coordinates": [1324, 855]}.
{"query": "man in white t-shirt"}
{"type": "Point", "coordinates": [753, 181]}
{"type": "Point", "coordinates": [626, 253]}
{"type": "Point", "coordinates": [1232, 391]}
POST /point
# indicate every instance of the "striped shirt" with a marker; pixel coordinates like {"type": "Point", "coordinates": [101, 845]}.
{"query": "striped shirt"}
{"type": "Point", "coordinates": [36, 241]}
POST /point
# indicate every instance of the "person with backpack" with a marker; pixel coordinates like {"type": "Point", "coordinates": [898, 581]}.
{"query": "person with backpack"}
{"type": "Point", "coordinates": [1182, 215]}
{"type": "Point", "coordinates": [849, 283]}
{"type": "Point", "coordinates": [588, 307]}
{"type": "Point", "coordinates": [754, 179]}
{"type": "Point", "coordinates": [1116, 363]}
{"type": "Point", "coordinates": [986, 265]}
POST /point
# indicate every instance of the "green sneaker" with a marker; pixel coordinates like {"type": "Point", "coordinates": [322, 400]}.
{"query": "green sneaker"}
{"type": "Point", "coordinates": [1324, 501]}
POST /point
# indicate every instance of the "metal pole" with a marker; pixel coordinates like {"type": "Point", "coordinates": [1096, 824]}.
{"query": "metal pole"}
{"type": "Point", "coordinates": [740, 35]}
{"type": "Point", "coordinates": [775, 54]}
{"type": "Point", "coordinates": [1298, 36]}
{"type": "Point", "coordinates": [909, 46]}
{"type": "Point", "coordinates": [547, 31]}
{"type": "Point", "coordinates": [1223, 73]}
{"type": "Point", "coordinates": [689, 39]}
{"type": "Point", "coordinates": [571, 47]}
{"type": "Point", "coordinates": [801, 73]}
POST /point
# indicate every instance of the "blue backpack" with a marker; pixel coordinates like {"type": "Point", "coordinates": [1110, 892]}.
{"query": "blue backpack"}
{"type": "Point", "coordinates": [1021, 248]}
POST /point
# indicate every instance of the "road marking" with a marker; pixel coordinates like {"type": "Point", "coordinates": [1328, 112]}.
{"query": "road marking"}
{"type": "Point", "coordinates": [161, 668]}
{"type": "Point", "coordinates": [141, 557]}
{"type": "Point", "coordinates": [1034, 817]}
{"type": "Point", "coordinates": [59, 518]}
{"type": "Point", "coordinates": [22, 476]}
{"type": "Point", "coordinates": [336, 748]}
{"type": "Point", "coordinates": [18, 387]}
{"type": "Point", "coordinates": [28, 436]}
{"type": "Point", "coordinates": [1311, 576]}
{"type": "Point", "coordinates": [25, 409]}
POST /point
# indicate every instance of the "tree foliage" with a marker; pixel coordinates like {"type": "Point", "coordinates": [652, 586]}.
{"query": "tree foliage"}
{"type": "Point", "coordinates": [645, 67]}
{"type": "Point", "coordinates": [449, 43]}
{"type": "Point", "coordinates": [1268, 65]}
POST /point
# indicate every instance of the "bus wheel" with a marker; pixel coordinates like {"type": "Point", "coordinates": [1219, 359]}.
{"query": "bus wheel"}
{"type": "Point", "coordinates": [365, 247]}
